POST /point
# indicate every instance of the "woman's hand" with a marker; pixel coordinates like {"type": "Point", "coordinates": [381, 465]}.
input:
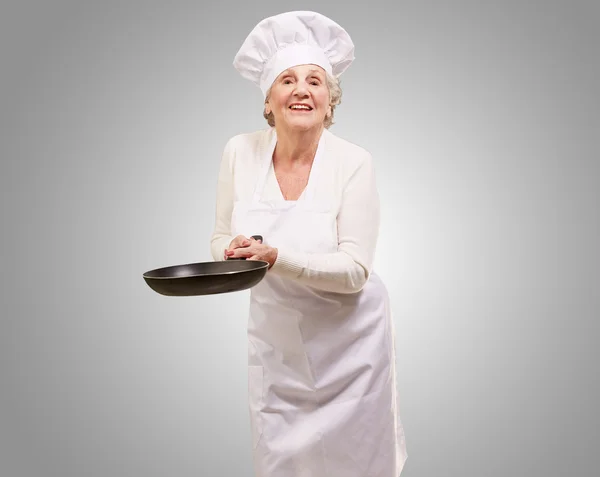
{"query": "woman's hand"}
{"type": "Point", "coordinates": [237, 242]}
{"type": "Point", "coordinates": [251, 249]}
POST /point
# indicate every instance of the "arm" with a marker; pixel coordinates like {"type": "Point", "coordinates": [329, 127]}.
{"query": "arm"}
{"type": "Point", "coordinates": [221, 237]}
{"type": "Point", "coordinates": [348, 269]}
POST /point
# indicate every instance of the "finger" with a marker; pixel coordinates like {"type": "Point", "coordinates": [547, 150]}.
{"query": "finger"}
{"type": "Point", "coordinates": [239, 241]}
{"type": "Point", "coordinates": [240, 253]}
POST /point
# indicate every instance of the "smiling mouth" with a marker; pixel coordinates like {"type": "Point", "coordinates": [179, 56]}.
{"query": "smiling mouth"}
{"type": "Point", "coordinates": [298, 107]}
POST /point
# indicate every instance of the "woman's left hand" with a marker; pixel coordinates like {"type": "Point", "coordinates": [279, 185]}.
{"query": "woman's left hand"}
{"type": "Point", "coordinates": [255, 251]}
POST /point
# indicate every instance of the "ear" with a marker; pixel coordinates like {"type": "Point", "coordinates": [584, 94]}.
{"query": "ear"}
{"type": "Point", "coordinates": [267, 108]}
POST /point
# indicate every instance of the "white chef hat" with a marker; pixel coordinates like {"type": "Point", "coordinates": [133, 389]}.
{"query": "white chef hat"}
{"type": "Point", "coordinates": [290, 39]}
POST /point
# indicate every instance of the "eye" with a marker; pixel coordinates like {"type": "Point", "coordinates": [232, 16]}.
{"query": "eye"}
{"type": "Point", "coordinates": [287, 81]}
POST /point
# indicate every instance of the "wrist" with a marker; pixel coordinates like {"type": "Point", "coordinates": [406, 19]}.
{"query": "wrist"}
{"type": "Point", "coordinates": [273, 256]}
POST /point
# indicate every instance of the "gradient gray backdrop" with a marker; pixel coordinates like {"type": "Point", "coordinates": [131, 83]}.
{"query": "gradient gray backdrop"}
{"type": "Point", "coordinates": [483, 118]}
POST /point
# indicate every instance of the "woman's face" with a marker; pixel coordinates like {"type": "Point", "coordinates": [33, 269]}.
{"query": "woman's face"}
{"type": "Point", "coordinates": [299, 98]}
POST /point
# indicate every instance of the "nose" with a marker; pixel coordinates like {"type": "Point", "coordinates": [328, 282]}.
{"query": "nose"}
{"type": "Point", "coordinates": [301, 89]}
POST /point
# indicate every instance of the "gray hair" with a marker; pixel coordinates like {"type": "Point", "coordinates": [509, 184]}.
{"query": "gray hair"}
{"type": "Point", "coordinates": [335, 98]}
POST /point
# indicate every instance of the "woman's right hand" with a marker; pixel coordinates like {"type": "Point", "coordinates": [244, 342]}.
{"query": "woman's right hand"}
{"type": "Point", "coordinates": [238, 242]}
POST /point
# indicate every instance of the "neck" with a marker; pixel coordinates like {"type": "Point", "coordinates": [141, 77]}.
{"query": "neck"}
{"type": "Point", "coordinates": [297, 147]}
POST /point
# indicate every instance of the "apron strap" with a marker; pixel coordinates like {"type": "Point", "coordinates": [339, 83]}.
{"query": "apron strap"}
{"type": "Point", "coordinates": [263, 171]}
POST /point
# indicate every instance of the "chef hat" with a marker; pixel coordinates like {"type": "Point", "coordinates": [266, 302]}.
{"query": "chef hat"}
{"type": "Point", "coordinates": [290, 39]}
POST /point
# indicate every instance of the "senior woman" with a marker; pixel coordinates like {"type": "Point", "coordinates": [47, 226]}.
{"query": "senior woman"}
{"type": "Point", "coordinates": [321, 356]}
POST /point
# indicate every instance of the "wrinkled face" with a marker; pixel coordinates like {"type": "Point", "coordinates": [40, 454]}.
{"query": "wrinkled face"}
{"type": "Point", "coordinates": [299, 98]}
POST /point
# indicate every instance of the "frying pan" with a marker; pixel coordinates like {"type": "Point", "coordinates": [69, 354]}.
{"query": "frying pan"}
{"type": "Point", "coordinates": [207, 278]}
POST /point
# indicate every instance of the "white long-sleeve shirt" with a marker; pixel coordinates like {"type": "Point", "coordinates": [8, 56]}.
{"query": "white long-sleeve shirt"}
{"type": "Point", "coordinates": [346, 180]}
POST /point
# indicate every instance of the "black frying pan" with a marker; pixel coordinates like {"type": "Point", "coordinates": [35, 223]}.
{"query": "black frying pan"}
{"type": "Point", "coordinates": [207, 278]}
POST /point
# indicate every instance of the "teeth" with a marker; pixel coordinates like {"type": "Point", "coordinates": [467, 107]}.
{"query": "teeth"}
{"type": "Point", "coordinates": [300, 107]}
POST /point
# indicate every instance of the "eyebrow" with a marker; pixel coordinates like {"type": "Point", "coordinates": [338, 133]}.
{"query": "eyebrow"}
{"type": "Point", "coordinates": [313, 72]}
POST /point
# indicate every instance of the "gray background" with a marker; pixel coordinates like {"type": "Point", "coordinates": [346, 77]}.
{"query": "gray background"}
{"type": "Point", "coordinates": [483, 118]}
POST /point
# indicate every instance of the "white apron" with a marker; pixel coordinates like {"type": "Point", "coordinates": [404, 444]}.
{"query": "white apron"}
{"type": "Point", "coordinates": [321, 365]}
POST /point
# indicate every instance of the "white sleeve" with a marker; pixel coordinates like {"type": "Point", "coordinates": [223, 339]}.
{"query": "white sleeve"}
{"type": "Point", "coordinates": [348, 269]}
{"type": "Point", "coordinates": [221, 237]}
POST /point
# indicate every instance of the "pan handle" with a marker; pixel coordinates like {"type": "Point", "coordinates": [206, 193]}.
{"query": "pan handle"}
{"type": "Point", "coordinates": [255, 237]}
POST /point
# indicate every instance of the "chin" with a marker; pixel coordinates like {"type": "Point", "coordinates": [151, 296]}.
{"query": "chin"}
{"type": "Point", "coordinates": [300, 125]}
